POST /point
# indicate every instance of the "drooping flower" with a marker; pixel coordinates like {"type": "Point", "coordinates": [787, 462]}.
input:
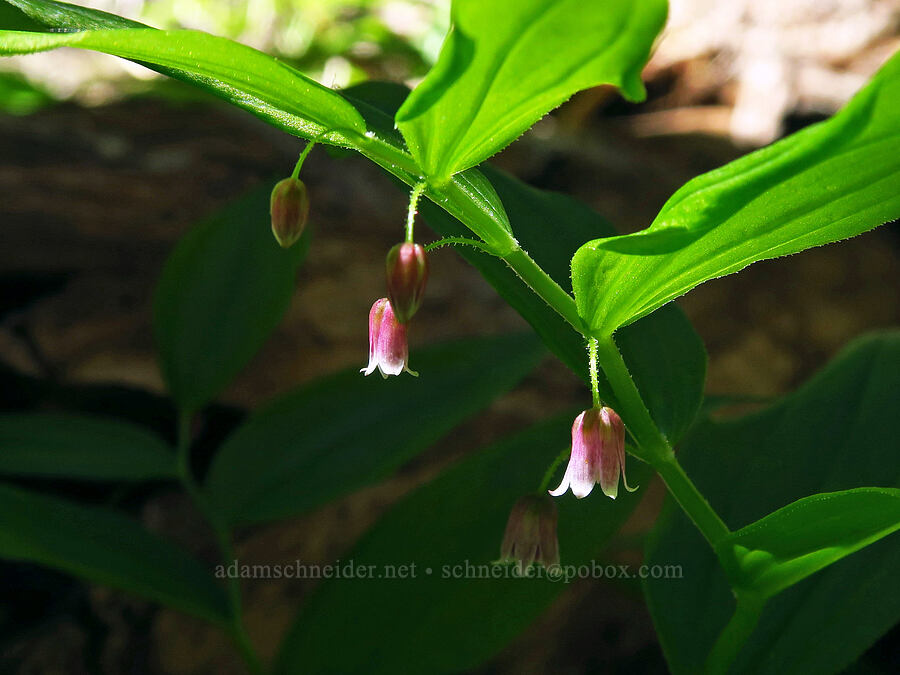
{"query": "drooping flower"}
{"type": "Point", "coordinates": [289, 208]}
{"type": "Point", "coordinates": [598, 454]}
{"type": "Point", "coordinates": [530, 534]}
{"type": "Point", "coordinates": [407, 273]}
{"type": "Point", "coordinates": [388, 349]}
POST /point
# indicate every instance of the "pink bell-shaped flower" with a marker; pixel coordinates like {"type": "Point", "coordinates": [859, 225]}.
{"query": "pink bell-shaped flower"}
{"type": "Point", "coordinates": [407, 272]}
{"type": "Point", "coordinates": [598, 454]}
{"type": "Point", "coordinates": [388, 349]}
{"type": "Point", "coordinates": [530, 534]}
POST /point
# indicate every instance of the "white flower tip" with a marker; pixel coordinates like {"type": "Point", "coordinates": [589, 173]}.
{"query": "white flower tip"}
{"type": "Point", "coordinates": [563, 486]}
{"type": "Point", "coordinates": [582, 491]}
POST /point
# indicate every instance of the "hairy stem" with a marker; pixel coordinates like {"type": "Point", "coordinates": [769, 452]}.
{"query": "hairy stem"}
{"type": "Point", "coordinates": [541, 283]}
{"type": "Point", "coordinates": [648, 437]}
{"type": "Point", "coordinates": [461, 241]}
{"type": "Point", "coordinates": [299, 165]}
{"type": "Point", "coordinates": [417, 191]}
{"type": "Point", "coordinates": [223, 537]}
{"type": "Point", "coordinates": [496, 238]}
{"type": "Point", "coordinates": [654, 446]}
{"type": "Point", "coordinates": [592, 367]}
{"type": "Point", "coordinates": [692, 502]}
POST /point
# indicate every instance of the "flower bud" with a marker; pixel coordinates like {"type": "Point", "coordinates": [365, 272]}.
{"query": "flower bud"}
{"type": "Point", "coordinates": [598, 454]}
{"type": "Point", "coordinates": [388, 349]}
{"type": "Point", "coordinates": [289, 207]}
{"type": "Point", "coordinates": [407, 272]}
{"type": "Point", "coordinates": [530, 534]}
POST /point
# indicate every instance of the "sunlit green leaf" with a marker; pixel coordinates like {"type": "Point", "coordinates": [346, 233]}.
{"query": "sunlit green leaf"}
{"type": "Point", "coordinates": [506, 63]}
{"type": "Point", "coordinates": [345, 431]}
{"type": "Point", "coordinates": [665, 355]}
{"type": "Point", "coordinates": [106, 548]}
{"type": "Point", "coordinates": [828, 182]}
{"type": "Point", "coordinates": [245, 69]}
{"type": "Point", "coordinates": [67, 15]}
{"type": "Point", "coordinates": [265, 87]}
{"type": "Point", "coordinates": [469, 196]}
{"type": "Point", "coordinates": [12, 18]}
{"type": "Point", "coordinates": [835, 433]}
{"type": "Point", "coordinates": [90, 448]}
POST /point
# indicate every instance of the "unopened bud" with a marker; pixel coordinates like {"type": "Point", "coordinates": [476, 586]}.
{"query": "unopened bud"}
{"type": "Point", "coordinates": [289, 207]}
{"type": "Point", "coordinates": [407, 273]}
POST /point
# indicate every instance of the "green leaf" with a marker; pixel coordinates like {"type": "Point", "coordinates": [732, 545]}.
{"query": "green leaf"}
{"type": "Point", "coordinates": [243, 75]}
{"type": "Point", "coordinates": [107, 548]}
{"type": "Point", "coordinates": [665, 355]}
{"type": "Point", "coordinates": [65, 15]}
{"type": "Point", "coordinates": [222, 292]}
{"type": "Point", "coordinates": [506, 63]}
{"type": "Point", "coordinates": [268, 91]}
{"type": "Point", "coordinates": [13, 19]}
{"type": "Point", "coordinates": [835, 433]}
{"type": "Point", "coordinates": [469, 196]}
{"type": "Point", "coordinates": [779, 550]}
{"type": "Point", "coordinates": [828, 182]}
{"type": "Point", "coordinates": [345, 431]}
{"type": "Point", "coordinates": [67, 446]}
{"type": "Point", "coordinates": [435, 621]}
